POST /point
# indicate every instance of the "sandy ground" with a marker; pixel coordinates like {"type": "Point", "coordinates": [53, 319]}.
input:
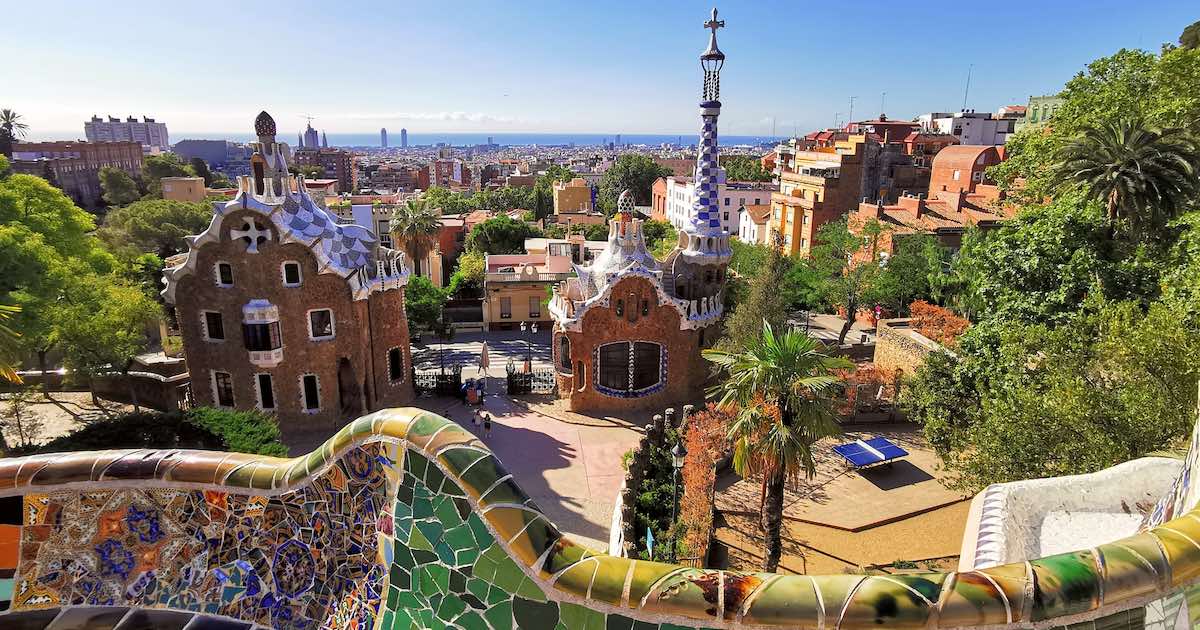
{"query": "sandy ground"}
{"type": "Point", "coordinates": [63, 412]}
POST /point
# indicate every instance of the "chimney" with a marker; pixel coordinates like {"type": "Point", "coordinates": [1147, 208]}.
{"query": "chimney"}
{"type": "Point", "coordinates": [879, 213]}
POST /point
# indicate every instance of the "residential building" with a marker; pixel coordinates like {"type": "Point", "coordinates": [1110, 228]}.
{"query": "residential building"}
{"type": "Point", "coordinates": [946, 215]}
{"type": "Point", "coordinates": [515, 285]}
{"type": "Point", "coordinates": [680, 196]}
{"type": "Point", "coordinates": [629, 329]}
{"type": "Point", "coordinates": [963, 167]}
{"type": "Point", "coordinates": [285, 310]}
{"type": "Point", "coordinates": [147, 132]}
{"type": "Point", "coordinates": [75, 167]}
{"type": "Point", "coordinates": [971, 127]}
{"type": "Point", "coordinates": [336, 163]}
{"type": "Point", "coordinates": [400, 177]}
{"type": "Point", "coordinates": [1040, 110]}
{"type": "Point", "coordinates": [214, 152]}
{"type": "Point", "coordinates": [183, 189]}
{"type": "Point", "coordinates": [680, 167]}
{"type": "Point", "coordinates": [450, 172]}
{"type": "Point", "coordinates": [753, 224]}
{"type": "Point", "coordinates": [573, 197]}
{"type": "Point", "coordinates": [658, 199]}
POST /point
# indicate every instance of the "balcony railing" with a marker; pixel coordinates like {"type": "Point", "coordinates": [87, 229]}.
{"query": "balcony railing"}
{"type": "Point", "coordinates": [526, 277]}
{"type": "Point", "coordinates": [266, 358]}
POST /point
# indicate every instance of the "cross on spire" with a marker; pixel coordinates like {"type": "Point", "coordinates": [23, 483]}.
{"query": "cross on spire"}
{"type": "Point", "coordinates": [714, 23]}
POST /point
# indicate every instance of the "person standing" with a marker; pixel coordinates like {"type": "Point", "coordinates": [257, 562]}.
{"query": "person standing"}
{"type": "Point", "coordinates": [484, 360]}
{"type": "Point", "coordinates": [477, 420]}
{"type": "Point", "coordinates": [487, 425]}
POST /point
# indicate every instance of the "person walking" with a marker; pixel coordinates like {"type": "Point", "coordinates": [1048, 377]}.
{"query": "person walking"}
{"type": "Point", "coordinates": [487, 425]}
{"type": "Point", "coordinates": [484, 360]}
{"type": "Point", "coordinates": [477, 420]}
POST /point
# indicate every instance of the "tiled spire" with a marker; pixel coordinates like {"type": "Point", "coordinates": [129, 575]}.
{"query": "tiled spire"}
{"type": "Point", "coordinates": [707, 242]}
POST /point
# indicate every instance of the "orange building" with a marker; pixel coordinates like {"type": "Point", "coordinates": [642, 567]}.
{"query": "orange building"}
{"type": "Point", "coordinates": [962, 167]}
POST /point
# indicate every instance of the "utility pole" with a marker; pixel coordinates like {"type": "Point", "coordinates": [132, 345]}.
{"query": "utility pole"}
{"type": "Point", "coordinates": [967, 90]}
{"type": "Point", "coordinates": [850, 118]}
{"type": "Point", "coordinates": [882, 100]}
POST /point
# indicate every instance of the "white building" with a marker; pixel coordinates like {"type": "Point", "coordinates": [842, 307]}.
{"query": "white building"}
{"type": "Point", "coordinates": [731, 196]}
{"type": "Point", "coordinates": [152, 135]}
{"type": "Point", "coordinates": [752, 224]}
{"type": "Point", "coordinates": [970, 127]}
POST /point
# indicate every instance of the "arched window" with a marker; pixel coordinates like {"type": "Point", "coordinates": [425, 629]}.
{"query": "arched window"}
{"type": "Point", "coordinates": [630, 369]}
{"type": "Point", "coordinates": [564, 354]}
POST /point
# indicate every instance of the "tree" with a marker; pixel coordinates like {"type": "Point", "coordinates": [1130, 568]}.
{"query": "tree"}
{"type": "Point", "coordinates": [19, 420]}
{"type": "Point", "coordinates": [631, 171]}
{"type": "Point", "coordinates": [102, 327]}
{"type": "Point", "coordinates": [155, 225]}
{"type": "Point", "coordinates": [501, 235]}
{"type": "Point", "coordinates": [1190, 37]}
{"type": "Point", "coordinates": [156, 167]}
{"type": "Point", "coordinates": [762, 302]}
{"type": "Point", "coordinates": [910, 273]}
{"type": "Point", "coordinates": [1144, 176]}
{"type": "Point", "coordinates": [220, 180]}
{"type": "Point", "coordinates": [11, 129]}
{"type": "Point", "coordinates": [118, 187]}
{"type": "Point", "coordinates": [846, 281]}
{"type": "Point", "coordinates": [446, 201]}
{"type": "Point", "coordinates": [782, 389]}
{"type": "Point", "coordinates": [468, 277]}
{"type": "Point", "coordinates": [744, 168]}
{"type": "Point", "coordinates": [423, 303]}
{"type": "Point", "coordinates": [415, 227]}
{"type": "Point", "coordinates": [8, 345]}
{"type": "Point", "coordinates": [309, 171]}
{"type": "Point", "coordinates": [200, 168]}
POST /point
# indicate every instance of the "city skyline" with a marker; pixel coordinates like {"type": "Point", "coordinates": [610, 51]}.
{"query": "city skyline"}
{"type": "Point", "coordinates": [613, 69]}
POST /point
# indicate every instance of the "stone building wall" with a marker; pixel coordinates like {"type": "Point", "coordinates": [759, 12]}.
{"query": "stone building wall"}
{"type": "Point", "coordinates": [686, 370]}
{"type": "Point", "coordinates": [898, 347]}
{"type": "Point", "coordinates": [364, 331]}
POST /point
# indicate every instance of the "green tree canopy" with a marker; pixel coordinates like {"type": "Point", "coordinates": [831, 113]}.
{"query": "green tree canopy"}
{"type": "Point", "coordinates": [631, 171]}
{"type": "Point", "coordinates": [155, 225]}
{"type": "Point", "coordinates": [501, 235]}
{"type": "Point", "coordinates": [846, 282]}
{"type": "Point", "coordinates": [744, 168]}
{"type": "Point", "coordinates": [118, 187]}
{"type": "Point", "coordinates": [423, 303]}
{"type": "Point", "coordinates": [156, 167]}
{"type": "Point", "coordinates": [448, 202]}
{"type": "Point", "coordinates": [415, 227]}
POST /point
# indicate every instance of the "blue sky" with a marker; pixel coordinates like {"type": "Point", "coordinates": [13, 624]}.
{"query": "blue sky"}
{"type": "Point", "coordinates": [605, 67]}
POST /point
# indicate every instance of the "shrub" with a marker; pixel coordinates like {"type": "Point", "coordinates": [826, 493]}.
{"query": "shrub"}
{"type": "Point", "coordinates": [938, 323]}
{"type": "Point", "coordinates": [242, 431]}
{"type": "Point", "coordinates": [200, 428]}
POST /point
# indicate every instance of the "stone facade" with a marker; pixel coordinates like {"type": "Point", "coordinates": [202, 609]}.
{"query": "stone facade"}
{"type": "Point", "coordinates": [900, 348]}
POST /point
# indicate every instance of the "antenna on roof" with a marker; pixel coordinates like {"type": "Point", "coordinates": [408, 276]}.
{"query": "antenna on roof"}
{"type": "Point", "coordinates": [967, 90]}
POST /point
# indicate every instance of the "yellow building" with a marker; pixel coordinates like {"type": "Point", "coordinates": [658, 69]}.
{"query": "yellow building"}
{"type": "Point", "coordinates": [183, 188]}
{"type": "Point", "coordinates": [573, 197]}
{"type": "Point", "coordinates": [815, 186]}
{"type": "Point", "coordinates": [516, 286]}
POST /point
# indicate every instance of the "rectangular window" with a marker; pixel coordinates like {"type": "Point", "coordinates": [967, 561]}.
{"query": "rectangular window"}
{"type": "Point", "coordinates": [727, 200]}
{"type": "Point", "coordinates": [223, 386]}
{"type": "Point", "coordinates": [535, 307]}
{"type": "Point", "coordinates": [320, 324]}
{"type": "Point", "coordinates": [395, 365]}
{"type": "Point", "coordinates": [647, 362]}
{"type": "Point", "coordinates": [505, 308]}
{"type": "Point", "coordinates": [262, 337]}
{"type": "Point", "coordinates": [291, 274]}
{"type": "Point", "coordinates": [214, 328]}
{"type": "Point", "coordinates": [312, 394]}
{"type": "Point", "coordinates": [266, 392]}
{"type": "Point", "coordinates": [225, 274]}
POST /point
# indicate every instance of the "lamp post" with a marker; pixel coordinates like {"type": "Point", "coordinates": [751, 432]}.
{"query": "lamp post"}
{"type": "Point", "coordinates": [532, 330]}
{"type": "Point", "coordinates": [678, 454]}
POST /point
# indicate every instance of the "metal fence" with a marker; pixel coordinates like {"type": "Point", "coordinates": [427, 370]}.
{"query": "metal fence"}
{"type": "Point", "coordinates": [539, 381]}
{"type": "Point", "coordinates": [442, 381]}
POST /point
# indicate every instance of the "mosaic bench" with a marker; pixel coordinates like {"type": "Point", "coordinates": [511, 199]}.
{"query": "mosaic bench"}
{"type": "Point", "coordinates": [403, 519]}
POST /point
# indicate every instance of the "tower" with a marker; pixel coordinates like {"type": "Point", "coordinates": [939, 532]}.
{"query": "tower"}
{"type": "Point", "coordinates": [310, 136]}
{"type": "Point", "coordinates": [324, 140]}
{"type": "Point", "coordinates": [383, 137]}
{"type": "Point", "coordinates": [404, 138]}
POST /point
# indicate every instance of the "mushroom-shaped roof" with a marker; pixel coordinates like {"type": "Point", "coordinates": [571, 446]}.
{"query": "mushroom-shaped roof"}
{"type": "Point", "coordinates": [264, 125]}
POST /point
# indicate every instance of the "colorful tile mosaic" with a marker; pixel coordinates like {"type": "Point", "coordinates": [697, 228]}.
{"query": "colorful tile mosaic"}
{"type": "Point", "coordinates": [405, 520]}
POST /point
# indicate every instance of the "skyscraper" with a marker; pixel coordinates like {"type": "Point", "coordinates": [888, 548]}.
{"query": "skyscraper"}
{"type": "Point", "coordinates": [618, 139]}
{"type": "Point", "coordinates": [324, 140]}
{"type": "Point", "coordinates": [310, 137]}
{"type": "Point", "coordinates": [404, 138]}
{"type": "Point", "coordinates": [383, 137]}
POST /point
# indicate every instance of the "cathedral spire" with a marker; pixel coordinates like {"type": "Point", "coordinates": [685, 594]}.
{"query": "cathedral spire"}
{"type": "Point", "coordinates": [703, 240]}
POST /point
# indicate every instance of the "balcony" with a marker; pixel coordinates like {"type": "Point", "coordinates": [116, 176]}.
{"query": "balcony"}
{"type": "Point", "coordinates": [266, 358]}
{"type": "Point", "coordinates": [526, 277]}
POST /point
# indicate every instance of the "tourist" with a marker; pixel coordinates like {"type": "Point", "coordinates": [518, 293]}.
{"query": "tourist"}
{"type": "Point", "coordinates": [487, 425]}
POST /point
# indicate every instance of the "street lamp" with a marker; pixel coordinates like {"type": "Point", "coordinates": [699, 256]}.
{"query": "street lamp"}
{"type": "Point", "coordinates": [529, 345]}
{"type": "Point", "coordinates": [678, 454]}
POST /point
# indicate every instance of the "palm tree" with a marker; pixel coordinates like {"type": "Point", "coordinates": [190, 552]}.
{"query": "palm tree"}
{"type": "Point", "coordinates": [11, 128]}
{"type": "Point", "coordinates": [1144, 175]}
{"type": "Point", "coordinates": [414, 229]}
{"type": "Point", "coordinates": [8, 346]}
{"type": "Point", "coordinates": [781, 387]}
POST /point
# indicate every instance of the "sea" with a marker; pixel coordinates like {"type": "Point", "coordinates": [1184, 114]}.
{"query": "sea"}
{"type": "Point", "coordinates": [369, 140]}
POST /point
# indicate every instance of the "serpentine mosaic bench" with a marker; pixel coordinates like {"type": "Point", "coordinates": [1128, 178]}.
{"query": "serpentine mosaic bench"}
{"type": "Point", "coordinates": [404, 519]}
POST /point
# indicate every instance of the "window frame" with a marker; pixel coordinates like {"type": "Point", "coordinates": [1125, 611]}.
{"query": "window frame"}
{"type": "Point", "coordinates": [505, 313]}
{"type": "Point", "coordinates": [304, 408]}
{"type": "Point", "coordinates": [630, 391]}
{"type": "Point", "coordinates": [216, 390]}
{"type": "Point", "coordinates": [400, 352]}
{"type": "Point", "coordinates": [299, 274]}
{"type": "Point", "coordinates": [217, 274]}
{"type": "Point", "coordinates": [258, 392]}
{"type": "Point", "coordinates": [205, 331]}
{"type": "Point", "coordinates": [309, 322]}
